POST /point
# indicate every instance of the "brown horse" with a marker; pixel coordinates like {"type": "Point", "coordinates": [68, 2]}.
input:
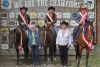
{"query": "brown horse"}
{"type": "Point", "coordinates": [81, 44]}
{"type": "Point", "coordinates": [14, 39]}
{"type": "Point", "coordinates": [49, 39]}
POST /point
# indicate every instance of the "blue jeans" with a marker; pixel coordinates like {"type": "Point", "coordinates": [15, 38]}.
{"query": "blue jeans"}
{"type": "Point", "coordinates": [35, 54]}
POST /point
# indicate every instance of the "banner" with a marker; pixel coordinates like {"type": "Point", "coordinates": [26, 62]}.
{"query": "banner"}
{"type": "Point", "coordinates": [6, 4]}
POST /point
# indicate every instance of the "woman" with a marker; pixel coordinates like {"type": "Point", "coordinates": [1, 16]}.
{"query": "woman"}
{"type": "Point", "coordinates": [63, 41]}
{"type": "Point", "coordinates": [33, 43]}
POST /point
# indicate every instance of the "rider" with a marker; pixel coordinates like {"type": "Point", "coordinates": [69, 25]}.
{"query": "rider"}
{"type": "Point", "coordinates": [51, 19]}
{"type": "Point", "coordinates": [23, 18]}
{"type": "Point", "coordinates": [82, 19]}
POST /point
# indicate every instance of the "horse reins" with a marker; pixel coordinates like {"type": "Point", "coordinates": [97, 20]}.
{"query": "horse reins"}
{"type": "Point", "coordinates": [45, 37]}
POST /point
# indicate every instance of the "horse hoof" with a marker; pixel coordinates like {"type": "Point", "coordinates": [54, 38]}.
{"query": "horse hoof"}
{"type": "Point", "coordinates": [27, 63]}
{"type": "Point", "coordinates": [86, 66]}
{"type": "Point", "coordinates": [48, 59]}
{"type": "Point", "coordinates": [55, 59]}
{"type": "Point", "coordinates": [20, 63]}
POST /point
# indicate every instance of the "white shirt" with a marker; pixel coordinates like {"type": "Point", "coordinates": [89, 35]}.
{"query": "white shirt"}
{"type": "Point", "coordinates": [63, 39]}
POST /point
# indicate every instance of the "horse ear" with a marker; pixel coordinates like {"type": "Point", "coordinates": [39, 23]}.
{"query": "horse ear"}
{"type": "Point", "coordinates": [91, 21]}
{"type": "Point", "coordinates": [14, 29]}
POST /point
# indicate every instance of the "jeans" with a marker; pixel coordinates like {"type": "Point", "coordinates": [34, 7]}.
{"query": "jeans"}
{"type": "Point", "coordinates": [63, 54]}
{"type": "Point", "coordinates": [75, 33]}
{"type": "Point", "coordinates": [35, 54]}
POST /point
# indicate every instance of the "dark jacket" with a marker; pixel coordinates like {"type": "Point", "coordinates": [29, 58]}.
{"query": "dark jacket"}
{"type": "Point", "coordinates": [37, 38]}
{"type": "Point", "coordinates": [20, 20]}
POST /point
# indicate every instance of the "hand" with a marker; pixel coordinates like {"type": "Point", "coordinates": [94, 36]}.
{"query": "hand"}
{"type": "Point", "coordinates": [20, 48]}
{"type": "Point", "coordinates": [68, 46]}
{"type": "Point", "coordinates": [30, 49]}
{"type": "Point", "coordinates": [49, 22]}
{"type": "Point", "coordinates": [39, 47]}
{"type": "Point", "coordinates": [57, 46]}
{"type": "Point", "coordinates": [86, 14]}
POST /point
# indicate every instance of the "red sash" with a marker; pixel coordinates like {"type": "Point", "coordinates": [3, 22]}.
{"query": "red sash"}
{"type": "Point", "coordinates": [24, 19]}
{"type": "Point", "coordinates": [86, 41]}
{"type": "Point", "coordinates": [83, 16]}
{"type": "Point", "coordinates": [20, 44]}
{"type": "Point", "coordinates": [50, 17]}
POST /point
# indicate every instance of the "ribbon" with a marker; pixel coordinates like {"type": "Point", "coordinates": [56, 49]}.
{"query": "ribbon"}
{"type": "Point", "coordinates": [24, 19]}
{"type": "Point", "coordinates": [50, 17]}
{"type": "Point", "coordinates": [83, 16]}
{"type": "Point", "coordinates": [86, 40]}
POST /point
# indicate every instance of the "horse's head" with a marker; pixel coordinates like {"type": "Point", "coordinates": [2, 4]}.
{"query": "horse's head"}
{"type": "Point", "coordinates": [89, 29]}
{"type": "Point", "coordinates": [47, 27]}
{"type": "Point", "coordinates": [12, 36]}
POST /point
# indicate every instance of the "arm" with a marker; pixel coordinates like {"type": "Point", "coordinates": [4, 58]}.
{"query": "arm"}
{"type": "Point", "coordinates": [19, 19]}
{"type": "Point", "coordinates": [28, 19]}
{"type": "Point", "coordinates": [29, 39]}
{"type": "Point", "coordinates": [55, 19]}
{"type": "Point", "coordinates": [38, 35]}
{"type": "Point", "coordinates": [78, 18]}
{"type": "Point", "coordinates": [69, 40]}
{"type": "Point", "coordinates": [57, 38]}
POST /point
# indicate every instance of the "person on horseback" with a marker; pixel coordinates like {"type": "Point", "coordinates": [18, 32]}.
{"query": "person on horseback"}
{"type": "Point", "coordinates": [51, 19]}
{"type": "Point", "coordinates": [82, 19]}
{"type": "Point", "coordinates": [63, 42]}
{"type": "Point", "coordinates": [23, 18]}
{"type": "Point", "coordinates": [33, 43]}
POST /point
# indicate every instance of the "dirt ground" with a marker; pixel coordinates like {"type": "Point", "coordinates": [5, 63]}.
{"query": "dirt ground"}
{"type": "Point", "coordinates": [94, 61]}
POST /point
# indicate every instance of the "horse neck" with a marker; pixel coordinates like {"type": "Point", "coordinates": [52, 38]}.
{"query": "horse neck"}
{"type": "Point", "coordinates": [89, 31]}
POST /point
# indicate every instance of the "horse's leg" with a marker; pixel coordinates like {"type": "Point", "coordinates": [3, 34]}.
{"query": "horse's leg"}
{"type": "Point", "coordinates": [17, 51]}
{"type": "Point", "coordinates": [54, 52]}
{"type": "Point", "coordinates": [76, 50]}
{"type": "Point", "coordinates": [45, 51]}
{"type": "Point", "coordinates": [26, 54]}
{"type": "Point", "coordinates": [87, 56]}
{"type": "Point", "coordinates": [51, 52]}
{"type": "Point", "coordinates": [79, 57]}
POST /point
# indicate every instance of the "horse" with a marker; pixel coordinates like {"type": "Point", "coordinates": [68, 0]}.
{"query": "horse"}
{"type": "Point", "coordinates": [15, 38]}
{"type": "Point", "coordinates": [81, 43]}
{"type": "Point", "coordinates": [49, 39]}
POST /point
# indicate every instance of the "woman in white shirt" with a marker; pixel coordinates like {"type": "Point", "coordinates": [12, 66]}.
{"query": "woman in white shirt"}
{"type": "Point", "coordinates": [63, 42]}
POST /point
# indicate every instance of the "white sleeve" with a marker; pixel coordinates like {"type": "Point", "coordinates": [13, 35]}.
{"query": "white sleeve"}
{"type": "Point", "coordinates": [57, 38]}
